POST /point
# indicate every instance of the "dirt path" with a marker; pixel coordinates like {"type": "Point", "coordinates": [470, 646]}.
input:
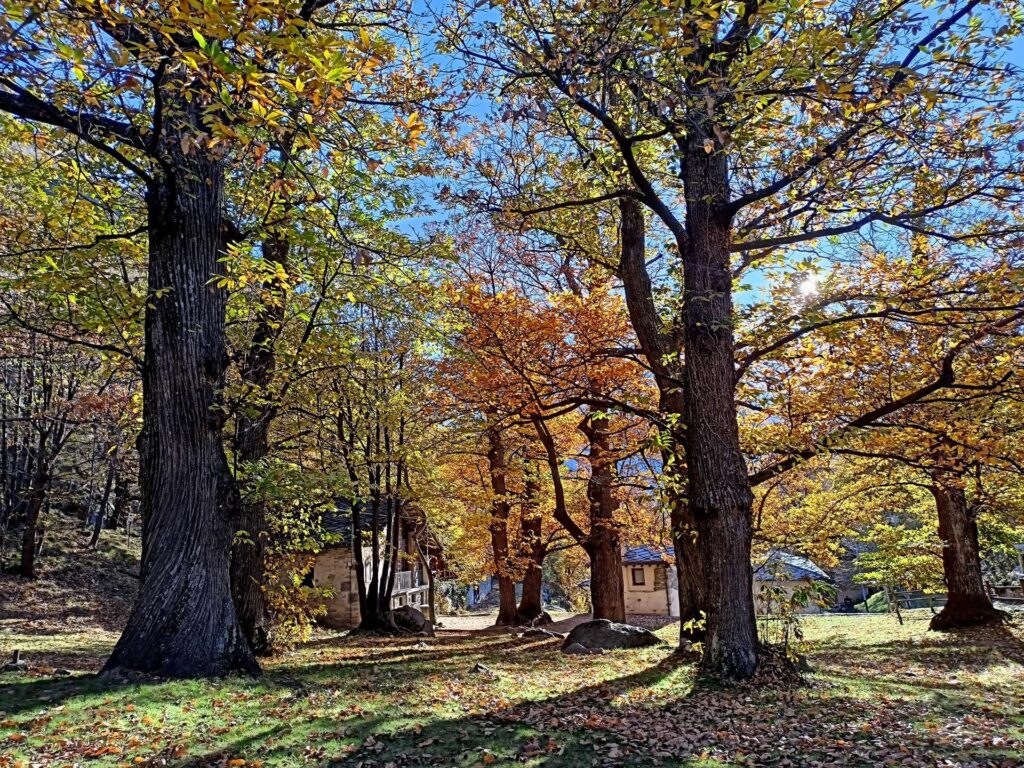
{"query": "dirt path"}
{"type": "Point", "coordinates": [563, 622]}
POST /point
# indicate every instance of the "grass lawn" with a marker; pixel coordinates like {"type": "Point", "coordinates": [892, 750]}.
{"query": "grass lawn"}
{"type": "Point", "coordinates": [881, 694]}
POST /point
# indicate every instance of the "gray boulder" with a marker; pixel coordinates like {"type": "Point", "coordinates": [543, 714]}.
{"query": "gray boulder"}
{"type": "Point", "coordinates": [575, 649]}
{"type": "Point", "coordinates": [408, 619]}
{"type": "Point", "coordinates": [609, 635]}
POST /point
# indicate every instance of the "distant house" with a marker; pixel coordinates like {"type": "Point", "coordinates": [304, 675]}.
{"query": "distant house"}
{"type": "Point", "coordinates": [335, 566]}
{"type": "Point", "coordinates": [649, 577]}
{"type": "Point", "coordinates": [652, 586]}
{"type": "Point", "coordinates": [786, 572]}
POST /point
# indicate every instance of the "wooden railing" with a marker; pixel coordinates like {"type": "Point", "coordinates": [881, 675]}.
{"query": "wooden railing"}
{"type": "Point", "coordinates": [916, 599]}
{"type": "Point", "coordinates": [405, 581]}
{"type": "Point", "coordinates": [408, 580]}
{"type": "Point", "coordinates": [1010, 593]}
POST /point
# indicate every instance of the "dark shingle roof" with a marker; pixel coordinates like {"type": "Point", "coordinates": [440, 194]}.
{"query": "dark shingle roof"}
{"type": "Point", "coordinates": [780, 565]}
{"type": "Point", "coordinates": [338, 522]}
{"type": "Point", "coordinates": [785, 566]}
{"type": "Point", "coordinates": [649, 555]}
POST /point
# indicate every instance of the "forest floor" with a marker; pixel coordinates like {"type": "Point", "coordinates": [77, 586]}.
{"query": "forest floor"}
{"type": "Point", "coordinates": [880, 694]}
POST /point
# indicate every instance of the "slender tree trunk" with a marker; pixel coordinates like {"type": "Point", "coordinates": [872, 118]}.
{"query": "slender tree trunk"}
{"type": "Point", "coordinates": [607, 592]}
{"type": "Point", "coordinates": [499, 529]}
{"type": "Point", "coordinates": [690, 573]}
{"type": "Point", "coordinates": [689, 564]}
{"type": "Point", "coordinates": [36, 499]}
{"type": "Point", "coordinates": [373, 617]}
{"type": "Point", "coordinates": [719, 490]}
{"type": "Point", "coordinates": [423, 559]}
{"type": "Point", "coordinates": [121, 499]}
{"type": "Point", "coordinates": [101, 513]}
{"type": "Point", "coordinates": [252, 444]}
{"type": "Point", "coordinates": [967, 603]}
{"type": "Point", "coordinates": [663, 350]}
{"type": "Point", "coordinates": [184, 623]}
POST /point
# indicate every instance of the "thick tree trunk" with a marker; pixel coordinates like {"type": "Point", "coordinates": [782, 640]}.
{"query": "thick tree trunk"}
{"type": "Point", "coordinates": [531, 604]}
{"type": "Point", "coordinates": [249, 551]}
{"type": "Point", "coordinates": [499, 529]}
{"type": "Point", "coordinates": [602, 544]}
{"type": "Point", "coordinates": [183, 623]}
{"type": "Point", "coordinates": [606, 586]}
{"type": "Point", "coordinates": [719, 490]}
{"type": "Point", "coordinates": [967, 603]}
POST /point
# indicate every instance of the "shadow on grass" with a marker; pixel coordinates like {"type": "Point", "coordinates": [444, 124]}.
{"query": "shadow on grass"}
{"type": "Point", "coordinates": [513, 735]}
{"type": "Point", "coordinates": [971, 650]}
{"type": "Point", "coordinates": [370, 664]}
{"type": "Point", "coordinates": [653, 716]}
{"type": "Point", "coordinates": [617, 723]}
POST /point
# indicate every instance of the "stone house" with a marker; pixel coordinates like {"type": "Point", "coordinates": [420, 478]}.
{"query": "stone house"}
{"type": "Point", "coordinates": [650, 582]}
{"type": "Point", "coordinates": [335, 566]}
{"type": "Point", "coordinates": [778, 575]}
{"type": "Point", "coordinates": [652, 587]}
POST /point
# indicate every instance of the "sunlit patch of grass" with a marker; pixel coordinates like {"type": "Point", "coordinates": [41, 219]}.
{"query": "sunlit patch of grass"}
{"type": "Point", "coordinates": [471, 699]}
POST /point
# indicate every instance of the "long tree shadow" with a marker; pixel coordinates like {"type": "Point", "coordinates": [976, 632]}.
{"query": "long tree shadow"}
{"type": "Point", "coordinates": [506, 736]}
{"type": "Point", "coordinates": [618, 722]}
{"type": "Point", "coordinates": [385, 706]}
{"type": "Point", "coordinates": [368, 664]}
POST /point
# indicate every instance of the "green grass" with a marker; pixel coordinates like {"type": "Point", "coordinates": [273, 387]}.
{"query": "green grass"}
{"type": "Point", "coordinates": [881, 694]}
{"type": "Point", "coordinates": [876, 603]}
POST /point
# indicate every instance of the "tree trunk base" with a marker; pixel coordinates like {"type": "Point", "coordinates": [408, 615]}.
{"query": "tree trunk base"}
{"type": "Point", "coordinates": [174, 664]}
{"type": "Point", "coordinates": [261, 643]}
{"type": "Point", "coordinates": [961, 613]}
{"type": "Point", "coordinates": [728, 664]}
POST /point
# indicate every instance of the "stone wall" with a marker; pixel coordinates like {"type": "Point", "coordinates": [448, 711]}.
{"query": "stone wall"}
{"type": "Point", "coordinates": [335, 568]}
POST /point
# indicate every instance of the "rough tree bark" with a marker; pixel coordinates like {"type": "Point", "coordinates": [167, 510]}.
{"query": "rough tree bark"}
{"type": "Point", "coordinates": [252, 444]}
{"type": "Point", "coordinates": [602, 544]}
{"type": "Point", "coordinates": [717, 483]}
{"type": "Point", "coordinates": [531, 604]}
{"type": "Point", "coordinates": [967, 603]}
{"type": "Point", "coordinates": [183, 623]}
{"type": "Point", "coordinates": [499, 528]}
{"type": "Point", "coordinates": [689, 567]}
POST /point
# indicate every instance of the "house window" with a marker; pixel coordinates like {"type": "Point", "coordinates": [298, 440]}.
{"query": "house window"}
{"type": "Point", "coordinates": [638, 577]}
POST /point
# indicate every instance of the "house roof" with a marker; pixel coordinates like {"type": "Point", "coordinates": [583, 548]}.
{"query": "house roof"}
{"type": "Point", "coordinates": [780, 565]}
{"type": "Point", "coordinates": [785, 566]}
{"type": "Point", "coordinates": [338, 521]}
{"type": "Point", "coordinates": [649, 555]}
